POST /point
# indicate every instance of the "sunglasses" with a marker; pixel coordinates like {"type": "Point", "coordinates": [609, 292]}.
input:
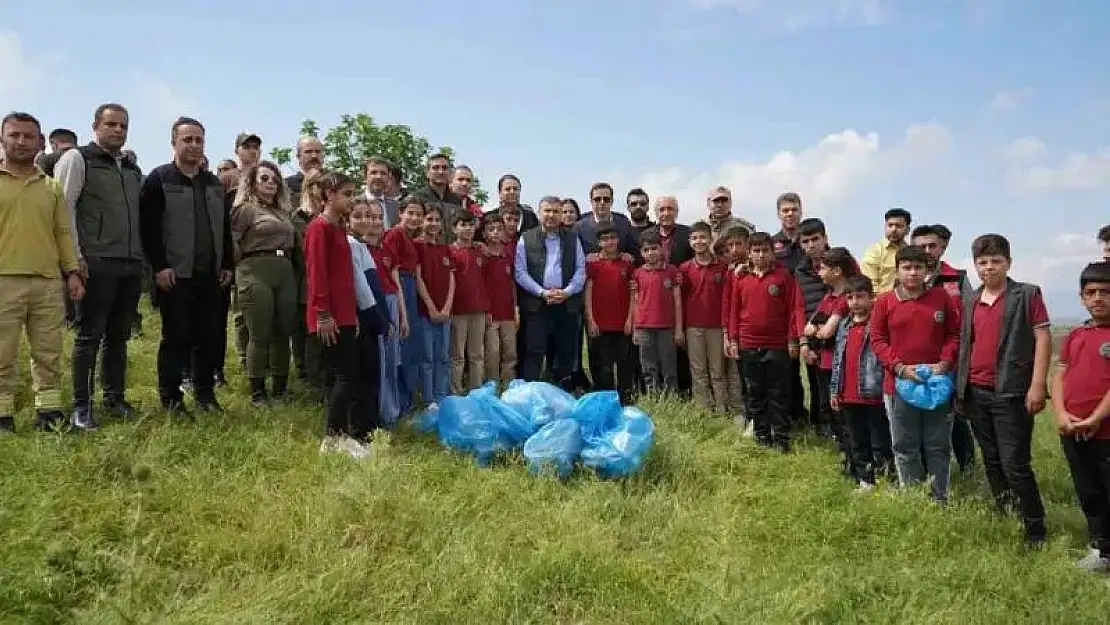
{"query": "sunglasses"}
{"type": "Point", "coordinates": [267, 178]}
{"type": "Point", "coordinates": [602, 200]}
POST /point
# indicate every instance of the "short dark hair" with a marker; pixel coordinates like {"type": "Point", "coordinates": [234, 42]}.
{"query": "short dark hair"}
{"type": "Point", "coordinates": [925, 231]}
{"type": "Point", "coordinates": [17, 116]}
{"type": "Point", "coordinates": [439, 156]}
{"type": "Point", "coordinates": [492, 218]}
{"type": "Point", "coordinates": [463, 216]}
{"type": "Point", "coordinates": [605, 231]}
{"type": "Point", "coordinates": [811, 226]}
{"type": "Point", "coordinates": [912, 254]}
{"type": "Point", "coordinates": [840, 258]}
{"type": "Point", "coordinates": [860, 283]}
{"type": "Point", "coordinates": [943, 232]}
{"type": "Point", "coordinates": [789, 196]}
{"type": "Point", "coordinates": [333, 181]}
{"type": "Point", "coordinates": [411, 200]}
{"type": "Point", "coordinates": [760, 239]}
{"type": "Point", "coordinates": [1104, 234]}
{"type": "Point", "coordinates": [1095, 272]}
{"type": "Point", "coordinates": [990, 245]}
{"type": "Point", "coordinates": [701, 226]}
{"type": "Point", "coordinates": [60, 133]}
{"type": "Point", "coordinates": [650, 237]}
{"type": "Point", "coordinates": [184, 121]}
{"type": "Point", "coordinates": [396, 173]}
{"type": "Point", "coordinates": [898, 213]}
{"type": "Point", "coordinates": [597, 186]}
{"type": "Point", "coordinates": [506, 177]}
{"type": "Point", "coordinates": [635, 191]}
{"type": "Point", "coordinates": [377, 160]}
{"type": "Point", "coordinates": [736, 232]}
{"type": "Point", "coordinates": [110, 106]}
{"type": "Point", "coordinates": [573, 202]}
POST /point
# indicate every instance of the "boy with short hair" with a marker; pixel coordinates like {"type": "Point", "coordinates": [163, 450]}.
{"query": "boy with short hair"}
{"type": "Point", "coordinates": [856, 387]}
{"type": "Point", "coordinates": [1001, 381]}
{"type": "Point", "coordinates": [470, 311]}
{"type": "Point", "coordinates": [703, 284]}
{"type": "Point", "coordinates": [501, 292]}
{"type": "Point", "coordinates": [914, 325]}
{"type": "Point", "coordinates": [814, 241]}
{"type": "Point", "coordinates": [609, 316]}
{"type": "Point", "coordinates": [765, 319]}
{"type": "Point", "coordinates": [734, 243]}
{"type": "Point", "coordinates": [657, 297]}
{"type": "Point", "coordinates": [1081, 401]}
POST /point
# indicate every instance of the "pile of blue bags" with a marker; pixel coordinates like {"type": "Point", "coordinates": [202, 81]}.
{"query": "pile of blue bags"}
{"type": "Point", "coordinates": [932, 392]}
{"type": "Point", "coordinates": [553, 429]}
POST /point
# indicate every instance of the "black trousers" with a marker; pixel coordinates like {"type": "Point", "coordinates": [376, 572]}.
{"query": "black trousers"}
{"type": "Point", "coordinates": [370, 373]}
{"type": "Point", "coordinates": [348, 412]}
{"type": "Point", "coordinates": [796, 394]}
{"type": "Point", "coordinates": [1004, 430]}
{"type": "Point", "coordinates": [835, 420]}
{"type": "Point", "coordinates": [963, 443]}
{"type": "Point", "coordinates": [869, 440]}
{"type": "Point", "coordinates": [192, 324]}
{"type": "Point", "coordinates": [819, 414]}
{"type": "Point", "coordinates": [767, 376]}
{"type": "Point", "coordinates": [225, 310]}
{"type": "Point", "coordinates": [609, 351]}
{"type": "Point", "coordinates": [104, 319]}
{"type": "Point", "coordinates": [1089, 462]}
{"type": "Point", "coordinates": [549, 322]}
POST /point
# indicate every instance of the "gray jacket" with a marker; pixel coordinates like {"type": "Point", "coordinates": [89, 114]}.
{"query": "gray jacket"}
{"type": "Point", "coordinates": [103, 195]}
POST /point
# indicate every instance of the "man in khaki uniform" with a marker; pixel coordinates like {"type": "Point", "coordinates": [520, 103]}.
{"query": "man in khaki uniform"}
{"type": "Point", "coordinates": [35, 240]}
{"type": "Point", "coordinates": [719, 202]}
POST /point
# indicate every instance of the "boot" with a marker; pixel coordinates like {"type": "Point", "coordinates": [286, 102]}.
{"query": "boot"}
{"type": "Point", "coordinates": [258, 392]}
{"type": "Point", "coordinates": [279, 386]}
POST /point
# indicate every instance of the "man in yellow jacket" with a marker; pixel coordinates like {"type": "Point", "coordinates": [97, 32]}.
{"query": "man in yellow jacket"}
{"type": "Point", "coordinates": [34, 241]}
{"type": "Point", "coordinates": [878, 261]}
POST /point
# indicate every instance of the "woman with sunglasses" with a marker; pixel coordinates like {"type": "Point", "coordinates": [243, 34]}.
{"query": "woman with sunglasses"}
{"type": "Point", "coordinates": [266, 287]}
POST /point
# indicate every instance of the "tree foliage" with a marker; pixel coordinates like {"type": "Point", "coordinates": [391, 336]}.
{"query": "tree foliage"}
{"type": "Point", "coordinates": [358, 137]}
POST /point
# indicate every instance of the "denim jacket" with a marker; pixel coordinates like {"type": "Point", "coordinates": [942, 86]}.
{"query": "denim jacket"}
{"type": "Point", "coordinates": [870, 382]}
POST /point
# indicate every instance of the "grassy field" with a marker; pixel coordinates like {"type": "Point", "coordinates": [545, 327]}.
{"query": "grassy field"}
{"type": "Point", "coordinates": [238, 519]}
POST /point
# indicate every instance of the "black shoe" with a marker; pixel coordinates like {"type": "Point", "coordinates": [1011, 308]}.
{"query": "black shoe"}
{"type": "Point", "coordinates": [1035, 533]}
{"type": "Point", "coordinates": [121, 409]}
{"type": "Point", "coordinates": [82, 419]}
{"type": "Point", "coordinates": [7, 425]}
{"type": "Point", "coordinates": [259, 398]}
{"type": "Point", "coordinates": [50, 420]}
{"type": "Point", "coordinates": [279, 387]}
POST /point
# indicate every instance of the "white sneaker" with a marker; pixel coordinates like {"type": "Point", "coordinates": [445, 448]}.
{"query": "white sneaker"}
{"type": "Point", "coordinates": [357, 450]}
{"type": "Point", "coordinates": [865, 487]}
{"type": "Point", "coordinates": [330, 444]}
{"type": "Point", "coordinates": [1094, 562]}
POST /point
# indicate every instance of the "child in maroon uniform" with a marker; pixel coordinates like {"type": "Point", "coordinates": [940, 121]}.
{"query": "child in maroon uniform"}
{"type": "Point", "coordinates": [399, 244]}
{"type": "Point", "coordinates": [703, 285]}
{"type": "Point", "coordinates": [915, 325]}
{"type": "Point", "coordinates": [609, 316]}
{"type": "Point", "coordinates": [471, 307]}
{"type": "Point", "coordinates": [765, 320]}
{"type": "Point", "coordinates": [657, 293]}
{"type": "Point", "coordinates": [501, 292]}
{"type": "Point", "coordinates": [435, 282]}
{"type": "Point", "coordinates": [1081, 401]}
{"type": "Point", "coordinates": [735, 243]}
{"type": "Point", "coordinates": [391, 341]}
{"type": "Point", "coordinates": [856, 387]}
{"type": "Point", "coordinates": [333, 313]}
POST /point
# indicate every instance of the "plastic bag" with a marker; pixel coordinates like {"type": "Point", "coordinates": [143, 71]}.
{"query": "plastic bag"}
{"type": "Point", "coordinates": [540, 402]}
{"type": "Point", "coordinates": [934, 392]}
{"type": "Point", "coordinates": [620, 452]}
{"type": "Point", "coordinates": [597, 412]}
{"type": "Point", "coordinates": [556, 445]}
{"type": "Point", "coordinates": [465, 426]}
{"type": "Point", "coordinates": [511, 426]}
{"type": "Point", "coordinates": [428, 421]}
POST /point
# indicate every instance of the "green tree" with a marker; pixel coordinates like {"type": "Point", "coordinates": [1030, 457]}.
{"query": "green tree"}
{"type": "Point", "coordinates": [358, 137]}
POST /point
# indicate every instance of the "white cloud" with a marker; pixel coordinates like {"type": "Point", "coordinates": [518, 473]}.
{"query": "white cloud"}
{"type": "Point", "coordinates": [20, 76]}
{"type": "Point", "coordinates": [795, 15]}
{"type": "Point", "coordinates": [1023, 149]}
{"type": "Point", "coordinates": [1078, 172]}
{"type": "Point", "coordinates": [1058, 260]}
{"type": "Point", "coordinates": [159, 100]}
{"type": "Point", "coordinates": [826, 174]}
{"type": "Point", "coordinates": [1004, 101]}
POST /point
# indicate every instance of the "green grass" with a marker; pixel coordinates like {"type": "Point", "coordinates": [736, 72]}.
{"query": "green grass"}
{"type": "Point", "coordinates": [238, 519]}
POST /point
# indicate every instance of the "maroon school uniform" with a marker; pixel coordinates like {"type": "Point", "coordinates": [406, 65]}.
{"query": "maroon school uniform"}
{"type": "Point", "coordinates": [922, 330]}
{"type": "Point", "coordinates": [383, 261]}
{"type": "Point", "coordinates": [401, 248]}
{"type": "Point", "coordinates": [703, 288]}
{"type": "Point", "coordinates": [330, 274]}
{"type": "Point", "coordinates": [831, 304]}
{"type": "Point", "coordinates": [853, 349]}
{"type": "Point", "coordinates": [1086, 354]}
{"type": "Point", "coordinates": [470, 281]}
{"type": "Point", "coordinates": [655, 296]}
{"type": "Point", "coordinates": [612, 297]}
{"type": "Point", "coordinates": [765, 311]}
{"type": "Point", "coordinates": [986, 324]}
{"type": "Point", "coordinates": [436, 267]}
{"type": "Point", "coordinates": [500, 285]}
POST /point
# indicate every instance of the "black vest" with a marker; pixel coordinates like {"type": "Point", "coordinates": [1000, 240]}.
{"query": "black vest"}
{"type": "Point", "coordinates": [1015, 347]}
{"type": "Point", "coordinates": [535, 255]}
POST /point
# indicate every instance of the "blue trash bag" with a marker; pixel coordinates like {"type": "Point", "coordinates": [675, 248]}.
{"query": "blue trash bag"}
{"type": "Point", "coordinates": [597, 412]}
{"type": "Point", "coordinates": [935, 391]}
{"type": "Point", "coordinates": [540, 402]}
{"type": "Point", "coordinates": [465, 426]}
{"type": "Point", "coordinates": [556, 445]}
{"type": "Point", "coordinates": [512, 427]}
{"type": "Point", "coordinates": [428, 421]}
{"type": "Point", "coordinates": [621, 452]}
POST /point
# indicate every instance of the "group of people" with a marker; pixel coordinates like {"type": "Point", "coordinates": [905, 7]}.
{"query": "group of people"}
{"type": "Point", "coordinates": [387, 300]}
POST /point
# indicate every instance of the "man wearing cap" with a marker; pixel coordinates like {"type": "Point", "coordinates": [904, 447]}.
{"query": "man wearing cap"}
{"type": "Point", "coordinates": [721, 219]}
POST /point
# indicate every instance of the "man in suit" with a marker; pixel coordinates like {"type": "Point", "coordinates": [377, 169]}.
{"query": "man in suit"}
{"type": "Point", "coordinates": [675, 239]}
{"type": "Point", "coordinates": [378, 183]}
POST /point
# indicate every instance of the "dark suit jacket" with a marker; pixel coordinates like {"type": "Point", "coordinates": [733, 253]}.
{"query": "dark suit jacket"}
{"type": "Point", "coordinates": [680, 244]}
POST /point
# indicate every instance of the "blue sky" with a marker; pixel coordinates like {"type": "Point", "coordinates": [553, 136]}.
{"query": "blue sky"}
{"type": "Point", "coordinates": [985, 115]}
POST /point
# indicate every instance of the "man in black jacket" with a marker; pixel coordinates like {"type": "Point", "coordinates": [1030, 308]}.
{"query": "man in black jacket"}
{"type": "Point", "coordinates": [602, 216]}
{"type": "Point", "coordinates": [310, 155]}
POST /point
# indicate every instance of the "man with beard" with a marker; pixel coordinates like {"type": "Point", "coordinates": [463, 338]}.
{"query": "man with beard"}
{"type": "Point", "coordinates": [187, 237]}
{"type": "Point", "coordinates": [721, 219]}
{"type": "Point", "coordinates": [602, 216]}
{"type": "Point", "coordinates": [878, 261]}
{"type": "Point", "coordinates": [310, 155]}
{"type": "Point", "coordinates": [101, 187]}
{"type": "Point", "coordinates": [436, 192]}
{"type": "Point", "coordinates": [34, 241]}
{"type": "Point", "coordinates": [462, 183]}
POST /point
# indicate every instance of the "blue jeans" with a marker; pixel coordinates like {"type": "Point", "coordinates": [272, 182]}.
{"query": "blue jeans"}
{"type": "Point", "coordinates": [412, 348]}
{"type": "Point", "coordinates": [391, 357]}
{"type": "Point", "coordinates": [436, 378]}
{"type": "Point", "coordinates": [913, 430]}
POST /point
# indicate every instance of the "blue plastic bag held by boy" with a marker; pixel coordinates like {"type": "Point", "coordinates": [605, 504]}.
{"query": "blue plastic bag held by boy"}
{"type": "Point", "coordinates": [464, 426]}
{"type": "Point", "coordinates": [597, 412]}
{"type": "Point", "coordinates": [935, 391]}
{"type": "Point", "coordinates": [512, 428]}
{"type": "Point", "coordinates": [540, 402]}
{"type": "Point", "coordinates": [556, 445]}
{"type": "Point", "coordinates": [620, 452]}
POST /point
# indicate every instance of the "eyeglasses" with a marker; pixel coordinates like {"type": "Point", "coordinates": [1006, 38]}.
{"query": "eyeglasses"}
{"type": "Point", "coordinates": [601, 200]}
